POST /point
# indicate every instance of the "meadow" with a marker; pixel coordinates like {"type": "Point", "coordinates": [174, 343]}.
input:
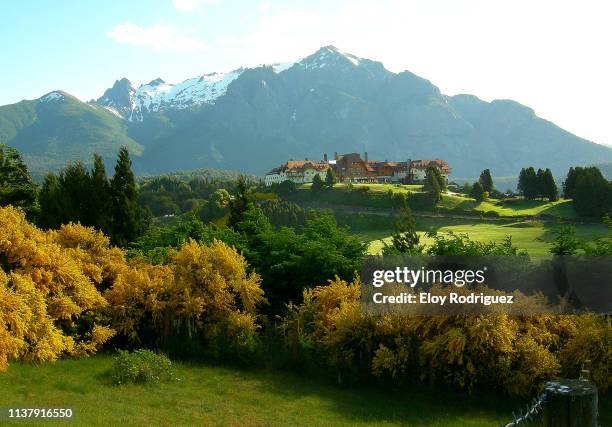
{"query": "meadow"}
{"type": "Point", "coordinates": [531, 235]}
{"type": "Point", "coordinates": [209, 395]}
{"type": "Point", "coordinates": [452, 203]}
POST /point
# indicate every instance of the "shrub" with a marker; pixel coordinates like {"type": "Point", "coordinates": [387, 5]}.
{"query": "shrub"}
{"type": "Point", "coordinates": [50, 304]}
{"type": "Point", "coordinates": [204, 298]}
{"type": "Point", "coordinates": [515, 354]}
{"type": "Point", "coordinates": [140, 367]}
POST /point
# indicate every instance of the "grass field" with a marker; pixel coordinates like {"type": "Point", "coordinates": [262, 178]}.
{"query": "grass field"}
{"type": "Point", "coordinates": [206, 395]}
{"type": "Point", "coordinates": [459, 203]}
{"type": "Point", "coordinates": [533, 236]}
{"type": "Point", "coordinates": [512, 208]}
{"type": "Point", "coordinates": [378, 188]}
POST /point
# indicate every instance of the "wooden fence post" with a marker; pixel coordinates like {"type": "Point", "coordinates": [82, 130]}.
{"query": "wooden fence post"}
{"type": "Point", "coordinates": [570, 403]}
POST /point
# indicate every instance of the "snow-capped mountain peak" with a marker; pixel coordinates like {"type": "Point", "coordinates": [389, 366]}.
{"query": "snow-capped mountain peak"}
{"type": "Point", "coordinates": [157, 95]}
{"type": "Point", "coordinates": [329, 56]}
{"type": "Point", "coordinates": [134, 103]}
{"type": "Point", "coordinates": [54, 96]}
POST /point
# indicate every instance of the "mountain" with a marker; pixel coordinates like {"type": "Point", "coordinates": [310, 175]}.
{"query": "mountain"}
{"type": "Point", "coordinates": [58, 127]}
{"type": "Point", "coordinates": [606, 169]}
{"type": "Point", "coordinates": [252, 119]}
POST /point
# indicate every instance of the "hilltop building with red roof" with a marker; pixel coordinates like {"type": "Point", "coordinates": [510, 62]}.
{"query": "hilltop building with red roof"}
{"type": "Point", "coordinates": [352, 167]}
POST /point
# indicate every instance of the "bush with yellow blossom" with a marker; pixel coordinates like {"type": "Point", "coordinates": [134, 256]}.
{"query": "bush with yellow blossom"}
{"type": "Point", "coordinates": [509, 352]}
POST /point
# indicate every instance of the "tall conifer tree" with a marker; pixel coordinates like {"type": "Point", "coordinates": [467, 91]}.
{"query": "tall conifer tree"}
{"type": "Point", "coordinates": [128, 220]}
{"type": "Point", "coordinates": [486, 180]}
{"type": "Point", "coordinates": [99, 196]}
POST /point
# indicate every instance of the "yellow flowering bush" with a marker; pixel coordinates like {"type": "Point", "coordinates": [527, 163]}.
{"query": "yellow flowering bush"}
{"type": "Point", "coordinates": [204, 290]}
{"type": "Point", "coordinates": [49, 304]}
{"type": "Point", "coordinates": [67, 292]}
{"type": "Point", "coordinates": [511, 352]}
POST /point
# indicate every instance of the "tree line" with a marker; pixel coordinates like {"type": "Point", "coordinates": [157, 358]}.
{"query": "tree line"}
{"type": "Point", "coordinates": [590, 191]}
{"type": "Point", "coordinates": [89, 197]}
{"type": "Point", "coordinates": [78, 195]}
{"type": "Point", "coordinates": [537, 185]}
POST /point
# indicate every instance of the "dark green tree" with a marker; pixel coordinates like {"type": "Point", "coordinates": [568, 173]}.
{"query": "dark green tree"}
{"type": "Point", "coordinates": [282, 213]}
{"type": "Point", "coordinates": [477, 192]}
{"type": "Point", "coordinates": [466, 188]}
{"type": "Point", "coordinates": [216, 206]}
{"type": "Point", "coordinates": [549, 186]}
{"type": "Point", "coordinates": [486, 180]}
{"type": "Point", "coordinates": [50, 202]}
{"type": "Point", "coordinates": [75, 195]}
{"type": "Point", "coordinates": [565, 242]}
{"type": "Point", "coordinates": [405, 239]}
{"type": "Point", "coordinates": [541, 184]}
{"type": "Point", "coordinates": [569, 184]}
{"type": "Point", "coordinates": [128, 219]}
{"type": "Point", "coordinates": [241, 202]}
{"type": "Point", "coordinates": [432, 186]}
{"type": "Point", "coordinates": [16, 185]}
{"type": "Point", "coordinates": [317, 183]}
{"type": "Point", "coordinates": [330, 178]}
{"type": "Point", "coordinates": [435, 171]}
{"type": "Point", "coordinates": [528, 183]}
{"type": "Point", "coordinates": [99, 203]}
{"type": "Point", "coordinates": [592, 193]}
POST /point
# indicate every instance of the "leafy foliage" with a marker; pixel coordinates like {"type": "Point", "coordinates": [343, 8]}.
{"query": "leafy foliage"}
{"type": "Point", "coordinates": [449, 243]}
{"type": "Point", "coordinates": [203, 297]}
{"type": "Point", "coordinates": [87, 197]}
{"type": "Point", "coordinates": [183, 192]}
{"type": "Point", "coordinates": [282, 213]}
{"type": "Point", "coordinates": [289, 261]}
{"type": "Point", "coordinates": [486, 180]}
{"type": "Point", "coordinates": [241, 202]}
{"type": "Point", "coordinates": [128, 219]}
{"type": "Point", "coordinates": [405, 239]}
{"type": "Point", "coordinates": [434, 184]}
{"type": "Point", "coordinates": [317, 183]}
{"type": "Point", "coordinates": [50, 304]}
{"type": "Point", "coordinates": [140, 367]}
{"type": "Point", "coordinates": [477, 192]}
{"type": "Point", "coordinates": [540, 184]}
{"type": "Point", "coordinates": [16, 186]}
{"type": "Point", "coordinates": [515, 354]}
{"type": "Point", "coordinates": [330, 178]}
{"type": "Point", "coordinates": [590, 191]}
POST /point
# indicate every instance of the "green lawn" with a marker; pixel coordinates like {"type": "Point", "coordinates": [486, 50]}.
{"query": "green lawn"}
{"type": "Point", "coordinates": [458, 203]}
{"type": "Point", "coordinates": [207, 395]}
{"type": "Point", "coordinates": [533, 236]}
{"type": "Point", "coordinates": [511, 208]}
{"type": "Point", "coordinates": [378, 188]}
{"type": "Point", "coordinates": [561, 208]}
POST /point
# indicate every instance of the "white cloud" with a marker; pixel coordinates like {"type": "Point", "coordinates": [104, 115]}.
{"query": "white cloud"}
{"type": "Point", "coordinates": [266, 5]}
{"type": "Point", "coordinates": [281, 36]}
{"type": "Point", "coordinates": [192, 5]}
{"type": "Point", "coordinates": [159, 37]}
{"type": "Point", "coordinates": [494, 50]}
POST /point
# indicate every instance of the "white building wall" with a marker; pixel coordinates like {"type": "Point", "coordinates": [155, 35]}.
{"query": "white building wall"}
{"type": "Point", "coordinates": [299, 178]}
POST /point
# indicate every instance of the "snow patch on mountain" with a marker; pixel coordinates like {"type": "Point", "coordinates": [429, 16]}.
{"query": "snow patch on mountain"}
{"type": "Point", "coordinates": [326, 56]}
{"type": "Point", "coordinates": [134, 103]}
{"type": "Point", "coordinates": [280, 67]}
{"type": "Point", "coordinates": [52, 96]}
{"type": "Point", "coordinates": [113, 111]}
{"type": "Point", "coordinates": [159, 95]}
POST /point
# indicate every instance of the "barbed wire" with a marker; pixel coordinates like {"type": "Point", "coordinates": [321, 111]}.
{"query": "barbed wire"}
{"type": "Point", "coordinates": [538, 402]}
{"type": "Point", "coordinates": [530, 412]}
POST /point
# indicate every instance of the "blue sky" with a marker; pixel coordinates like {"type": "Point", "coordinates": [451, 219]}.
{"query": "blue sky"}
{"type": "Point", "coordinates": [552, 55]}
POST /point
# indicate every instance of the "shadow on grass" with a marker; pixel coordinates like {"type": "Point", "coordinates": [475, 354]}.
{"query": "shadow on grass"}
{"type": "Point", "coordinates": [416, 405]}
